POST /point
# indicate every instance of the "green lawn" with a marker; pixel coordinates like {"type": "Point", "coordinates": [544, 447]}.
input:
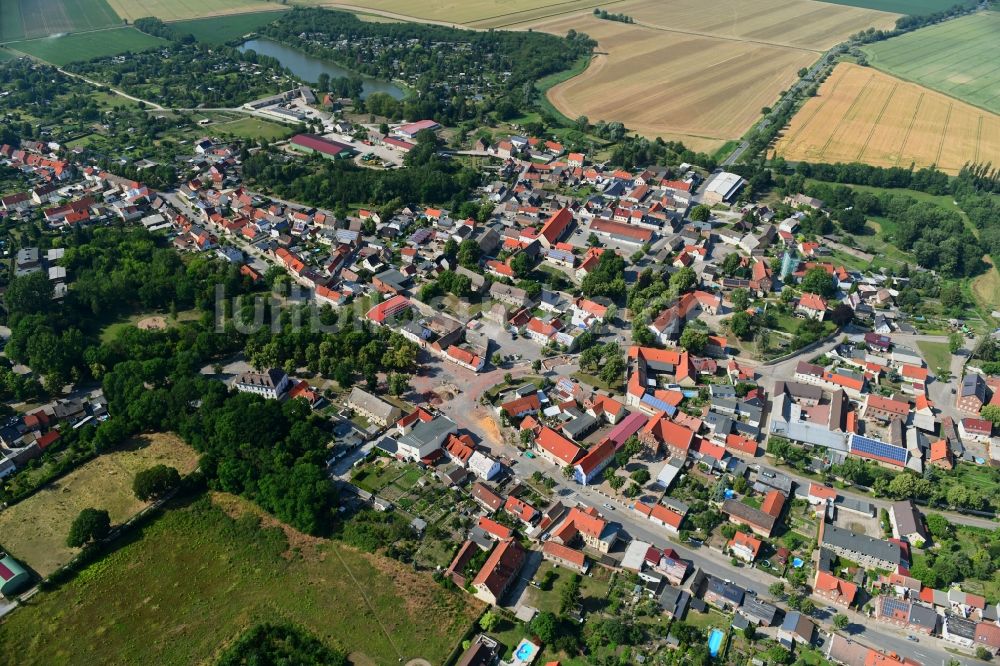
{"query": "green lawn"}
{"type": "Point", "coordinates": [111, 331]}
{"type": "Point", "coordinates": [253, 128]}
{"type": "Point", "coordinates": [195, 579]}
{"type": "Point", "coordinates": [222, 29]}
{"type": "Point", "coordinates": [958, 58]}
{"type": "Point", "coordinates": [936, 354]}
{"type": "Point", "coordinates": [543, 85]}
{"type": "Point", "coordinates": [86, 46]}
{"type": "Point", "coordinates": [911, 7]}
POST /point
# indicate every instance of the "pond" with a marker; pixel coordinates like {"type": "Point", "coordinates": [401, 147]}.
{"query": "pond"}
{"type": "Point", "coordinates": [308, 68]}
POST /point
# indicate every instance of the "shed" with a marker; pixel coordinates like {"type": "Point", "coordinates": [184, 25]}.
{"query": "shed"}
{"type": "Point", "coordinates": [13, 576]}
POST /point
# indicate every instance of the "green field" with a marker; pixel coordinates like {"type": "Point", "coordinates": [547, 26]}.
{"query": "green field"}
{"type": "Point", "coordinates": [911, 7]}
{"type": "Point", "coordinates": [252, 128]}
{"type": "Point", "coordinates": [88, 45]}
{"type": "Point", "coordinates": [936, 354]}
{"type": "Point", "coordinates": [960, 58]}
{"type": "Point", "coordinates": [195, 579]}
{"type": "Point", "coordinates": [6, 55]}
{"type": "Point", "coordinates": [224, 28]}
{"type": "Point", "coordinates": [11, 26]}
{"type": "Point", "coordinates": [27, 19]}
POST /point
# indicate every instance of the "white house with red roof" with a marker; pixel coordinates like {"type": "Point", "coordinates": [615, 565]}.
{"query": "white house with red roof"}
{"type": "Point", "coordinates": [556, 449]}
{"type": "Point", "coordinates": [812, 306]}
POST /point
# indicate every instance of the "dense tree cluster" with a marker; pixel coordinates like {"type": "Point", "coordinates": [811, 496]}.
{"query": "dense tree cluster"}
{"type": "Point", "coordinates": [116, 271]}
{"type": "Point", "coordinates": [607, 278]}
{"type": "Point", "coordinates": [188, 75]}
{"type": "Point", "coordinates": [155, 482]}
{"type": "Point", "coordinates": [90, 525]}
{"type": "Point", "coordinates": [453, 74]}
{"type": "Point", "coordinates": [938, 237]}
{"type": "Point", "coordinates": [279, 644]}
{"type": "Point", "coordinates": [331, 184]}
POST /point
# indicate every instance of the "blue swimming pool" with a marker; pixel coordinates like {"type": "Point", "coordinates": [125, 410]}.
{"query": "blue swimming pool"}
{"type": "Point", "coordinates": [524, 651]}
{"type": "Point", "coordinates": [715, 641]}
{"type": "Point", "coordinates": [797, 563]}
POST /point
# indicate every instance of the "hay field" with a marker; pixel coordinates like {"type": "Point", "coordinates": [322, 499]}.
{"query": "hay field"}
{"type": "Point", "coordinates": [864, 115]}
{"type": "Point", "coordinates": [179, 10]}
{"type": "Point", "coordinates": [701, 90]}
{"type": "Point", "coordinates": [35, 530]}
{"type": "Point", "coordinates": [960, 58]}
{"type": "Point", "coordinates": [814, 26]}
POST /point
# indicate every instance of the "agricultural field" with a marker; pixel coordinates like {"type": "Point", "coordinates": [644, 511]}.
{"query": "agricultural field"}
{"type": "Point", "coordinates": [703, 74]}
{"type": "Point", "coordinates": [28, 19]}
{"type": "Point", "coordinates": [863, 115]}
{"type": "Point", "coordinates": [698, 74]}
{"type": "Point", "coordinates": [671, 84]}
{"type": "Point", "coordinates": [911, 7]}
{"type": "Point", "coordinates": [813, 26]}
{"type": "Point", "coordinates": [35, 530]}
{"type": "Point", "coordinates": [472, 13]}
{"type": "Point", "coordinates": [180, 10]}
{"type": "Point", "coordinates": [208, 571]}
{"type": "Point", "coordinates": [960, 58]}
{"type": "Point", "coordinates": [87, 45]}
{"type": "Point", "coordinates": [11, 27]}
{"type": "Point", "coordinates": [222, 29]}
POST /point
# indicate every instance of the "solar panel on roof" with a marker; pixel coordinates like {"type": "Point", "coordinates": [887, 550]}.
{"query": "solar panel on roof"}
{"type": "Point", "coordinates": [873, 447]}
{"type": "Point", "coordinates": [891, 605]}
{"type": "Point", "coordinates": [656, 403]}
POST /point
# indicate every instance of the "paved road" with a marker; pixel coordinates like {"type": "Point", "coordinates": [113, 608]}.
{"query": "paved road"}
{"type": "Point", "coordinates": [120, 93]}
{"type": "Point", "coordinates": [928, 651]}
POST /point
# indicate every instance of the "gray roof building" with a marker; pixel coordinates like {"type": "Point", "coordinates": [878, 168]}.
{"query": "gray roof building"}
{"type": "Point", "coordinates": [372, 406]}
{"type": "Point", "coordinates": [674, 601]}
{"type": "Point", "coordinates": [867, 551]}
{"type": "Point", "coordinates": [760, 612]}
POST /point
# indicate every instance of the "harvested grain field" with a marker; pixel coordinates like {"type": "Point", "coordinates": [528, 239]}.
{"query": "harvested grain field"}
{"type": "Point", "coordinates": [471, 13]}
{"type": "Point", "coordinates": [675, 85]}
{"type": "Point", "coordinates": [813, 26]}
{"type": "Point", "coordinates": [694, 72]}
{"type": "Point", "coordinates": [35, 530]}
{"type": "Point", "coordinates": [179, 10]}
{"type": "Point", "coordinates": [863, 115]}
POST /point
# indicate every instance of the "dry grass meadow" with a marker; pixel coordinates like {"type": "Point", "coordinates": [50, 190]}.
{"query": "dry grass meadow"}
{"type": "Point", "coordinates": [179, 10]}
{"type": "Point", "coordinates": [863, 115]}
{"type": "Point", "coordinates": [34, 531]}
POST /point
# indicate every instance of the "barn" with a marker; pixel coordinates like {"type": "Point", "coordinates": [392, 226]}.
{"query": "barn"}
{"type": "Point", "coordinates": [13, 577]}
